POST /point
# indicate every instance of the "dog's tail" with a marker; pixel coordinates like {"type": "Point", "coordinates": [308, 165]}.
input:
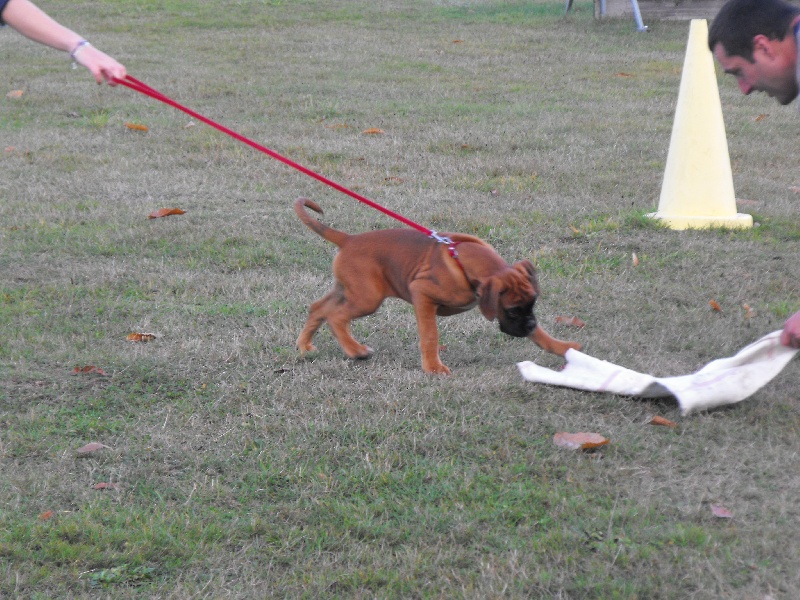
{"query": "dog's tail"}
{"type": "Point", "coordinates": [329, 233]}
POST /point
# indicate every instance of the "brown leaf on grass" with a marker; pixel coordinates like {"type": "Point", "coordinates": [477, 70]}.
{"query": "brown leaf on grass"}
{"type": "Point", "coordinates": [624, 75]}
{"type": "Point", "coordinates": [760, 118]}
{"type": "Point", "coordinates": [715, 305]}
{"type": "Point", "coordinates": [458, 41]}
{"type": "Point", "coordinates": [635, 259]}
{"type": "Point", "coordinates": [89, 369]}
{"type": "Point", "coordinates": [141, 337]}
{"type": "Point", "coordinates": [393, 179]}
{"type": "Point", "coordinates": [570, 322]}
{"type": "Point", "coordinates": [659, 420]}
{"type": "Point", "coordinates": [105, 486]}
{"type": "Point", "coordinates": [165, 212]}
{"type": "Point", "coordinates": [46, 515]}
{"type": "Point", "coordinates": [90, 448]}
{"type": "Point", "coordinates": [580, 441]}
{"type": "Point", "coordinates": [15, 94]}
{"type": "Point", "coordinates": [373, 131]}
{"type": "Point", "coordinates": [136, 126]}
{"type": "Point", "coordinates": [749, 313]}
{"type": "Point", "coordinates": [721, 512]}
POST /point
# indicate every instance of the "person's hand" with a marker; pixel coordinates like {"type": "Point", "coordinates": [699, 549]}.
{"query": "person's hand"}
{"type": "Point", "coordinates": [101, 65]}
{"type": "Point", "coordinates": [791, 331]}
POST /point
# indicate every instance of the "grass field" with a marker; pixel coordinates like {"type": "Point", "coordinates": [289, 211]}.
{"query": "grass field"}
{"type": "Point", "coordinates": [241, 470]}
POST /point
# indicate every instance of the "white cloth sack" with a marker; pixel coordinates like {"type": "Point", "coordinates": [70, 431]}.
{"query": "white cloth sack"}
{"type": "Point", "coordinates": [723, 381]}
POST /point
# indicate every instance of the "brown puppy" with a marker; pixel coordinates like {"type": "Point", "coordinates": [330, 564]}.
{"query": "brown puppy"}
{"type": "Point", "coordinates": [407, 264]}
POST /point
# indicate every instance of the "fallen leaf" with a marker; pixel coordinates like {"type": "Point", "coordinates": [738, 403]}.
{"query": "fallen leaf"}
{"type": "Point", "coordinates": [15, 94]}
{"type": "Point", "coordinates": [580, 441]}
{"type": "Point", "coordinates": [721, 512]}
{"type": "Point", "coordinates": [635, 259]}
{"type": "Point", "coordinates": [141, 337]}
{"type": "Point", "coordinates": [760, 118]}
{"type": "Point", "coordinates": [91, 447]}
{"type": "Point", "coordinates": [105, 486]}
{"type": "Point", "coordinates": [393, 179]}
{"type": "Point", "coordinates": [136, 126]}
{"type": "Point", "coordinates": [373, 131]}
{"type": "Point", "coordinates": [89, 369]}
{"type": "Point", "coordinates": [658, 420]}
{"type": "Point", "coordinates": [458, 41]}
{"type": "Point", "coordinates": [715, 305]}
{"type": "Point", "coordinates": [575, 230]}
{"type": "Point", "coordinates": [46, 515]}
{"type": "Point", "coordinates": [749, 313]}
{"type": "Point", "coordinates": [570, 322]}
{"type": "Point", "coordinates": [165, 212]}
{"type": "Point", "coordinates": [624, 75]}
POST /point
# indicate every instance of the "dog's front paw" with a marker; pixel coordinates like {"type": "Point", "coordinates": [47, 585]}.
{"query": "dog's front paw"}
{"type": "Point", "coordinates": [439, 369]}
{"type": "Point", "coordinates": [560, 347]}
{"type": "Point", "coordinates": [550, 344]}
{"type": "Point", "coordinates": [303, 348]}
{"type": "Point", "coordinates": [363, 354]}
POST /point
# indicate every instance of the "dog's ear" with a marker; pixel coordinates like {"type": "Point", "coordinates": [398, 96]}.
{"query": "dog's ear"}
{"type": "Point", "coordinates": [526, 268]}
{"type": "Point", "coordinates": [489, 296]}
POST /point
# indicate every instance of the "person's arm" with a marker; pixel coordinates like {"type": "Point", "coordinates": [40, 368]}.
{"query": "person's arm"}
{"type": "Point", "coordinates": [791, 331]}
{"type": "Point", "coordinates": [34, 23]}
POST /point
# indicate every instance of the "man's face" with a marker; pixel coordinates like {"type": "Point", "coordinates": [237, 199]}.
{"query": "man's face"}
{"type": "Point", "coordinates": [772, 70]}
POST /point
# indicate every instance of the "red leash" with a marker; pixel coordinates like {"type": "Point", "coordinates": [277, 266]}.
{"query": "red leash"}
{"type": "Point", "coordinates": [145, 89]}
{"type": "Point", "coordinates": [137, 85]}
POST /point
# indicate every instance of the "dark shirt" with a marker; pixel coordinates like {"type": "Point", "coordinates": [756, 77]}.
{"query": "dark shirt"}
{"type": "Point", "coordinates": [2, 6]}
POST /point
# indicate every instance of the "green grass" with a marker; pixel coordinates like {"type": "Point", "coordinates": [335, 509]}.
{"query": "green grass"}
{"type": "Point", "coordinates": [242, 470]}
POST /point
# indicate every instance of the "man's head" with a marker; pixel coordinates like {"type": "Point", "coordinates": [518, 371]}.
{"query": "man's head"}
{"type": "Point", "coordinates": [753, 41]}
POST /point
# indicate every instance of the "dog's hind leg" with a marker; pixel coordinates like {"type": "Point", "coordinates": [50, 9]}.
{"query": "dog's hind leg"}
{"type": "Point", "coordinates": [338, 312]}
{"type": "Point", "coordinates": [340, 325]}
{"type": "Point", "coordinates": [316, 317]}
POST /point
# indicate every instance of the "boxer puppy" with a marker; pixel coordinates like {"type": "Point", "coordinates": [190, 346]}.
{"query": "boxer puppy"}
{"type": "Point", "coordinates": [408, 264]}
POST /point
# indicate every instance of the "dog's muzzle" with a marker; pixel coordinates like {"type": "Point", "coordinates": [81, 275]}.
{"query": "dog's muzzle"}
{"type": "Point", "coordinates": [518, 321]}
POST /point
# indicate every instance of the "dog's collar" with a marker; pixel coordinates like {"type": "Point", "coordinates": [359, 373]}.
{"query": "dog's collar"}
{"type": "Point", "coordinates": [451, 250]}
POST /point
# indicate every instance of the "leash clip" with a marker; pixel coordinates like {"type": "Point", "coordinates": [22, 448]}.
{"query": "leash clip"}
{"type": "Point", "coordinates": [439, 238]}
{"type": "Point", "coordinates": [451, 245]}
{"type": "Point", "coordinates": [451, 249]}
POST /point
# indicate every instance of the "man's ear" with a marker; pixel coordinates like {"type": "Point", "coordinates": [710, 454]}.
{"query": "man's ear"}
{"type": "Point", "coordinates": [762, 44]}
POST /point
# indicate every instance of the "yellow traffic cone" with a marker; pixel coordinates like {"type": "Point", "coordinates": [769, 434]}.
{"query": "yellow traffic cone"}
{"type": "Point", "coordinates": [697, 191]}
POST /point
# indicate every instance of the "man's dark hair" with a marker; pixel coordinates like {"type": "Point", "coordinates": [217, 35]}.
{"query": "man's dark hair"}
{"type": "Point", "coordinates": [739, 21]}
